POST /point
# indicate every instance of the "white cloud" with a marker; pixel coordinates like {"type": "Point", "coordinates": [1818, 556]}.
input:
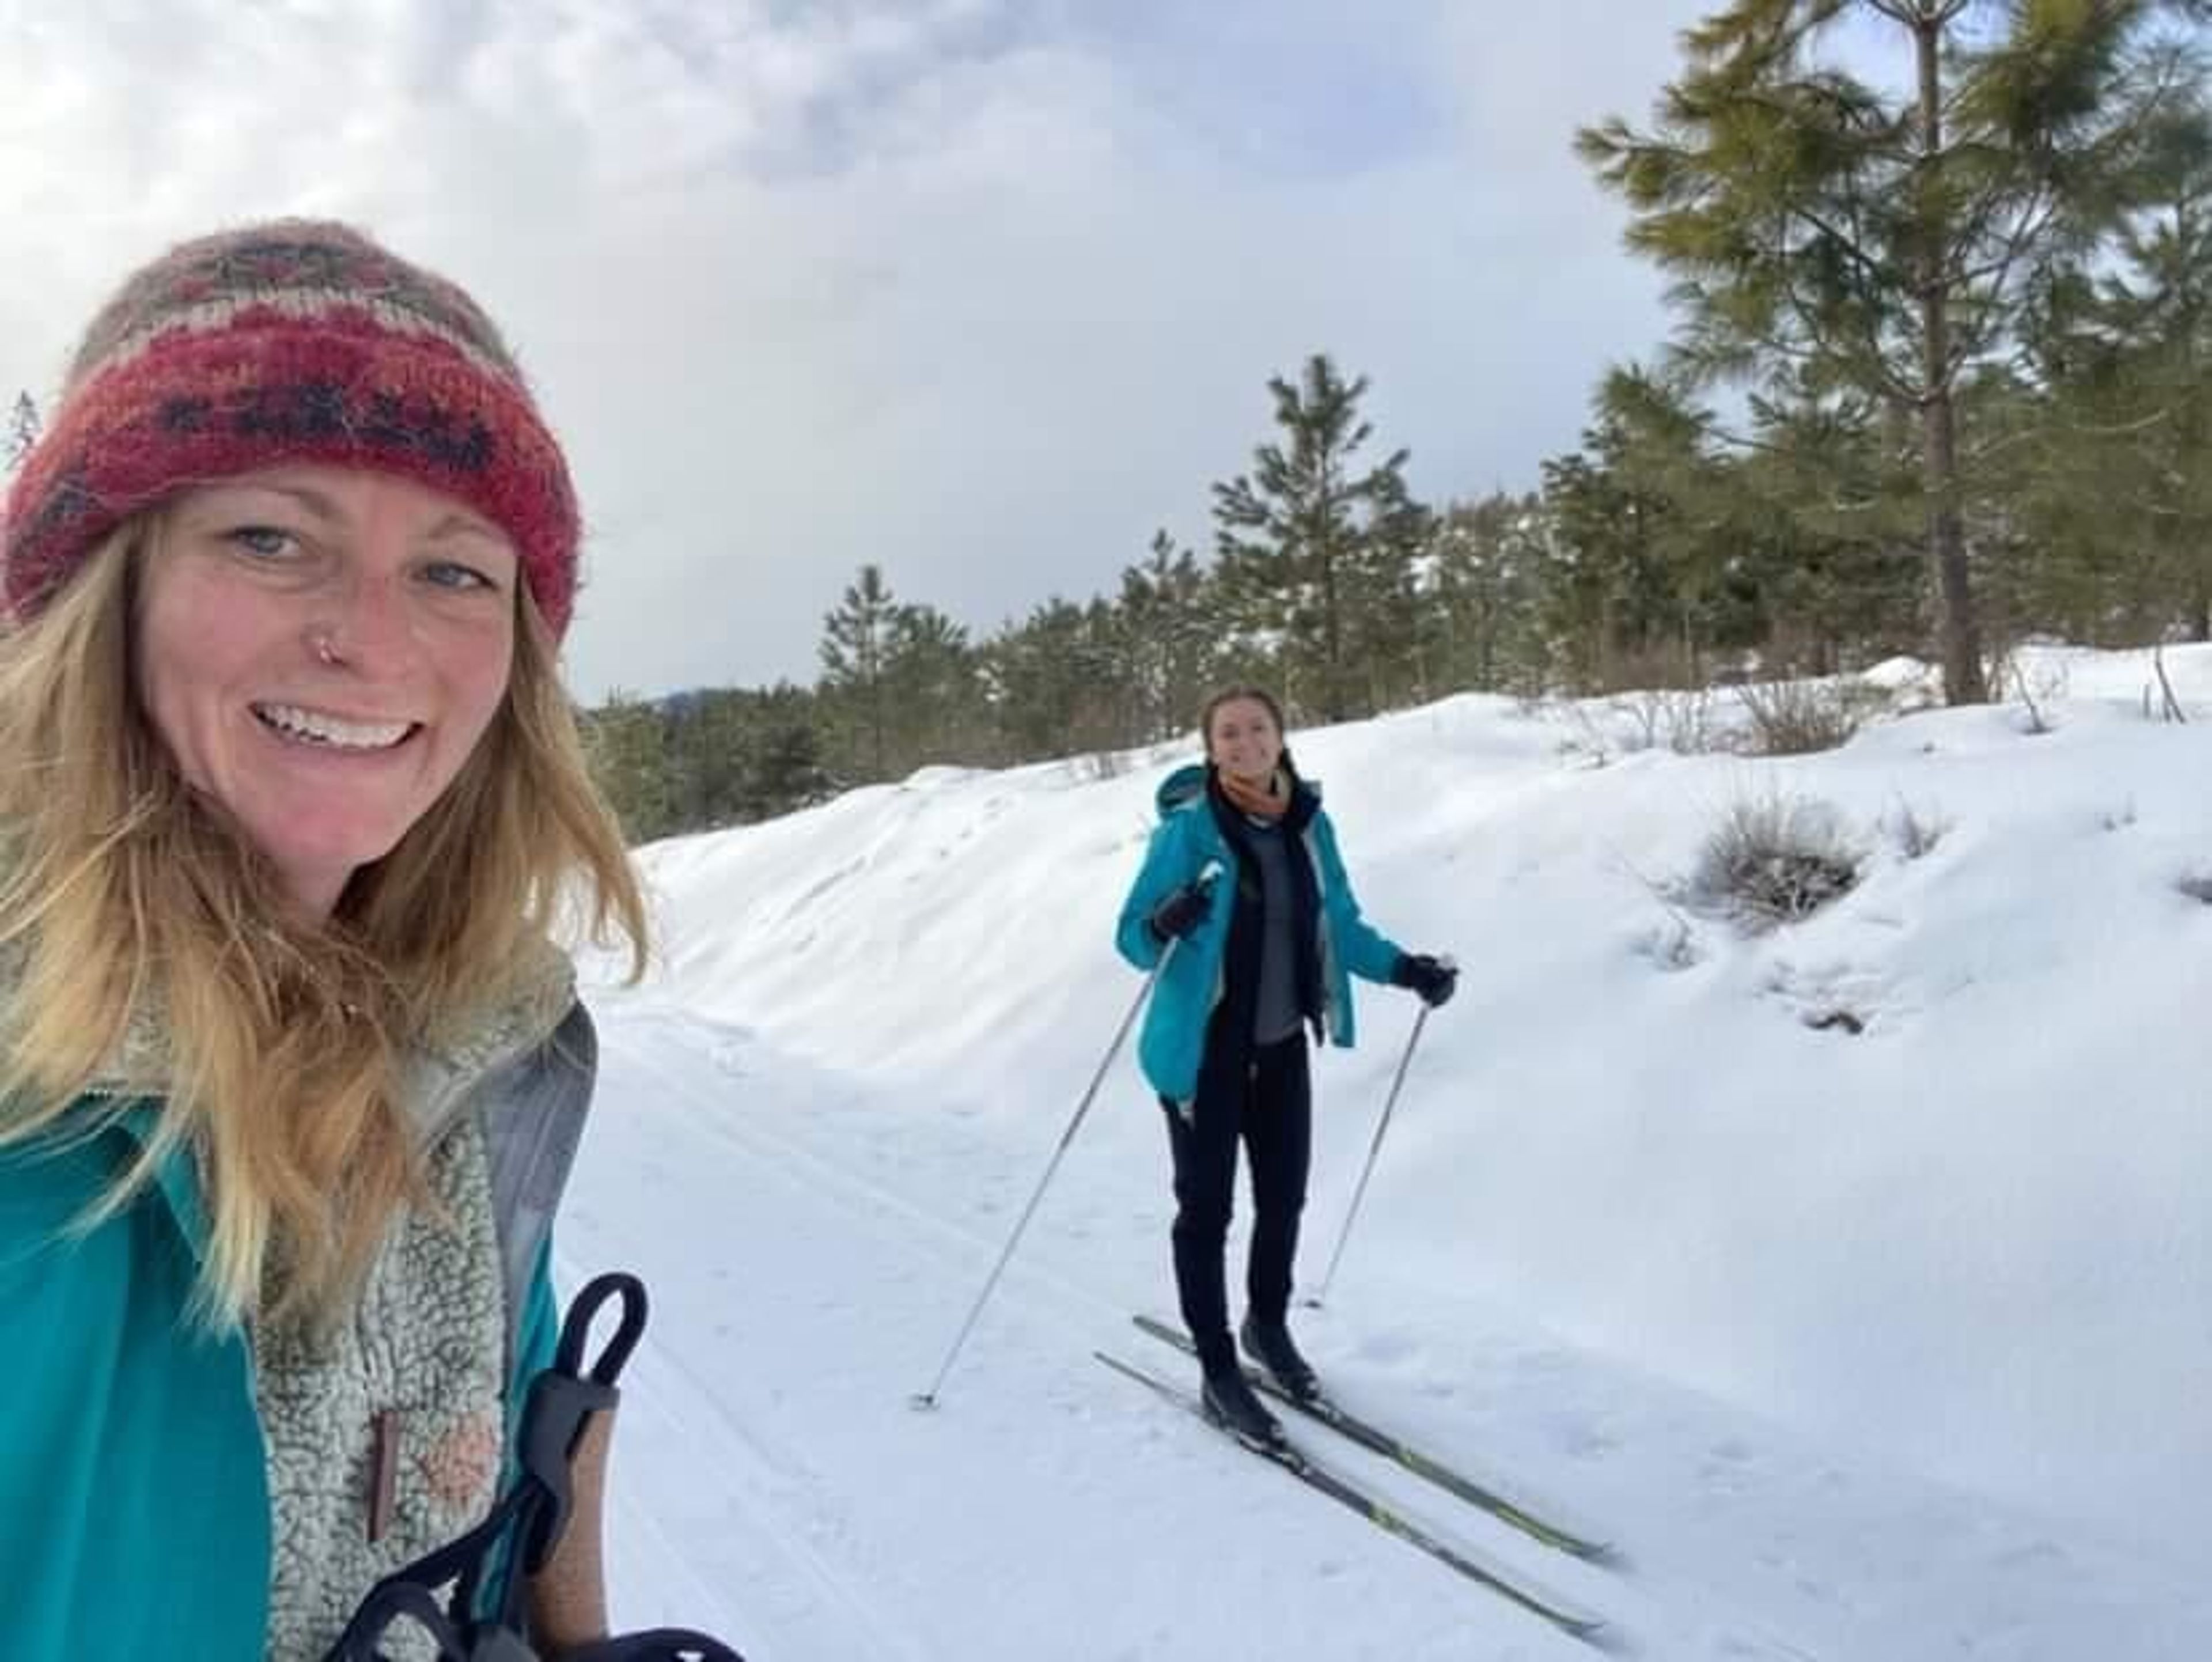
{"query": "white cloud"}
{"type": "Point", "coordinates": [982, 293]}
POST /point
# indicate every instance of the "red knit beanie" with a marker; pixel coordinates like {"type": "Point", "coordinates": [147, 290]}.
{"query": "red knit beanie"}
{"type": "Point", "coordinates": [295, 341]}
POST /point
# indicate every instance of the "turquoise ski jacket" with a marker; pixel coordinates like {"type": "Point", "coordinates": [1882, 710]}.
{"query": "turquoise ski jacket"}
{"type": "Point", "coordinates": [134, 1509]}
{"type": "Point", "coordinates": [1185, 842]}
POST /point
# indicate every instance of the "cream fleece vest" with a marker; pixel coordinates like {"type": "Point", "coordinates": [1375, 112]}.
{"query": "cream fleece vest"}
{"type": "Point", "coordinates": [409, 1394]}
{"type": "Point", "coordinates": [385, 1438]}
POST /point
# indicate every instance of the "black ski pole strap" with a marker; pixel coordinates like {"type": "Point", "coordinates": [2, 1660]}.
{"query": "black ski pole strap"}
{"type": "Point", "coordinates": [565, 1397]}
{"type": "Point", "coordinates": [408, 1593]}
{"type": "Point", "coordinates": [576, 1330]}
{"type": "Point", "coordinates": [388, 1605]}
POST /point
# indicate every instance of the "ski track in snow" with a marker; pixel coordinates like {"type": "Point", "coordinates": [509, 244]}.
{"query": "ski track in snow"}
{"type": "Point", "coordinates": [755, 1524]}
{"type": "Point", "coordinates": [813, 1593]}
{"type": "Point", "coordinates": [774, 1574]}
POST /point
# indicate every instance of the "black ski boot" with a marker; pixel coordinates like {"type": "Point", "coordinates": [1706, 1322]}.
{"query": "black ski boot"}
{"type": "Point", "coordinates": [1230, 1404]}
{"type": "Point", "coordinates": [1268, 1343]}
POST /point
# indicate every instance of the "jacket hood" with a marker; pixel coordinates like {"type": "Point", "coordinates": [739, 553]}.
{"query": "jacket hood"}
{"type": "Point", "coordinates": [1180, 788]}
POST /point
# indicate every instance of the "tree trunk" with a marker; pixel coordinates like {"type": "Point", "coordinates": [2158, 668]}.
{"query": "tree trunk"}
{"type": "Point", "coordinates": [1959, 634]}
{"type": "Point", "coordinates": [1960, 637]}
{"type": "Point", "coordinates": [1334, 703]}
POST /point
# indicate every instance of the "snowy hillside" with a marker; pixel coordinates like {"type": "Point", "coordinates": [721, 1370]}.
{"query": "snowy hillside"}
{"type": "Point", "coordinates": [1855, 1278]}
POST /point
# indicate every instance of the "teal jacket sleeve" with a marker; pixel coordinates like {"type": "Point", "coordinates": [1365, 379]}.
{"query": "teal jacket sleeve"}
{"type": "Point", "coordinates": [1367, 952]}
{"type": "Point", "coordinates": [1169, 864]}
{"type": "Point", "coordinates": [130, 1469]}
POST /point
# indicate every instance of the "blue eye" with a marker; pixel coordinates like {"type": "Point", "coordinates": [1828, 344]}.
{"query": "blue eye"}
{"type": "Point", "coordinates": [264, 542]}
{"type": "Point", "coordinates": [451, 574]}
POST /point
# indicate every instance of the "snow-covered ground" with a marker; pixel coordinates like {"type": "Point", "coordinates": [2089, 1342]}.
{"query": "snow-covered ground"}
{"type": "Point", "coordinates": [1880, 1346]}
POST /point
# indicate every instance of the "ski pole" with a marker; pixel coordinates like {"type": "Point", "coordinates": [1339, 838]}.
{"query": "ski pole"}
{"type": "Point", "coordinates": [927, 1399]}
{"type": "Point", "coordinates": [1374, 1148]}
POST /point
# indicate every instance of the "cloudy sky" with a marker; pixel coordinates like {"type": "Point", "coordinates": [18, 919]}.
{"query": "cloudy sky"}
{"type": "Point", "coordinates": [981, 290]}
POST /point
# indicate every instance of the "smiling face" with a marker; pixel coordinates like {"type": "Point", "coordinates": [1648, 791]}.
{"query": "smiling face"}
{"type": "Point", "coordinates": [320, 651]}
{"type": "Point", "coordinates": [1241, 739]}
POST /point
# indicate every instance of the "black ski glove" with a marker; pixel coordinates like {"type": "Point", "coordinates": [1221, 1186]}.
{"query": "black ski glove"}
{"type": "Point", "coordinates": [1435, 980]}
{"type": "Point", "coordinates": [1183, 912]}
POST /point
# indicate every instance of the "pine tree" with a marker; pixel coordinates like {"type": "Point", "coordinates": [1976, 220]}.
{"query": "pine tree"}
{"type": "Point", "coordinates": [1827, 232]}
{"type": "Point", "coordinates": [855, 647]}
{"type": "Point", "coordinates": [786, 772]}
{"type": "Point", "coordinates": [1054, 682]}
{"type": "Point", "coordinates": [1308, 543]}
{"type": "Point", "coordinates": [1384, 595]}
{"type": "Point", "coordinates": [1169, 619]}
{"type": "Point", "coordinates": [1481, 627]}
{"type": "Point", "coordinates": [2134, 391]}
{"type": "Point", "coordinates": [625, 742]}
{"type": "Point", "coordinates": [709, 734]}
{"type": "Point", "coordinates": [931, 688]}
{"type": "Point", "coordinates": [1611, 595]}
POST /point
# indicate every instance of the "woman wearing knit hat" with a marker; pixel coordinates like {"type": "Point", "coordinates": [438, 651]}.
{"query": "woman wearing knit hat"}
{"type": "Point", "coordinates": [290, 1068]}
{"type": "Point", "coordinates": [1258, 956]}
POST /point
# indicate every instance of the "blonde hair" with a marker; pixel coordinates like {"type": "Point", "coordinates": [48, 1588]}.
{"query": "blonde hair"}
{"type": "Point", "coordinates": [127, 900]}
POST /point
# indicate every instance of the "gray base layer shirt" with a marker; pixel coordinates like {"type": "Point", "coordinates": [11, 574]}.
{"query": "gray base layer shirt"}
{"type": "Point", "coordinates": [1276, 1015]}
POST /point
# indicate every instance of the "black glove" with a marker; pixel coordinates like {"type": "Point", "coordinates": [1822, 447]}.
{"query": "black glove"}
{"type": "Point", "coordinates": [1183, 912]}
{"type": "Point", "coordinates": [1435, 980]}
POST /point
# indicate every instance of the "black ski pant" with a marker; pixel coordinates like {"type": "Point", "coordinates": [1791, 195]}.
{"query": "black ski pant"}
{"type": "Point", "coordinates": [1264, 1095]}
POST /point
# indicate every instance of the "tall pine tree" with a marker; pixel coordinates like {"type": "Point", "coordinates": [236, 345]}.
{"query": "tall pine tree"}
{"type": "Point", "coordinates": [1881, 242]}
{"type": "Point", "coordinates": [855, 652]}
{"type": "Point", "coordinates": [1312, 542]}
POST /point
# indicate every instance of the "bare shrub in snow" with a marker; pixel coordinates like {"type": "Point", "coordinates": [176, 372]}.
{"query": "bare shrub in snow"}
{"type": "Point", "coordinates": [1097, 767]}
{"type": "Point", "coordinates": [1672, 946]}
{"type": "Point", "coordinates": [2036, 722]}
{"type": "Point", "coordinates": [1774, 860]}
{"type": "Point", "coordinates": [1587, 739]}
{"type": "Point", "coordinates": [1678, 720]}
{"type": "Point", "coordinates": [1798, 718]}
{"type": "Point", "coordinates": [2037, 690]}
{"type": "Point", "coordinates": [1914, 833]}
{"type": "Point", "coordinates": [2196, 884]}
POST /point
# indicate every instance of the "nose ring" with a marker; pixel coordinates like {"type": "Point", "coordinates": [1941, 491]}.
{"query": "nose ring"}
{"type": "Point", "coordinates": [325, 652]}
